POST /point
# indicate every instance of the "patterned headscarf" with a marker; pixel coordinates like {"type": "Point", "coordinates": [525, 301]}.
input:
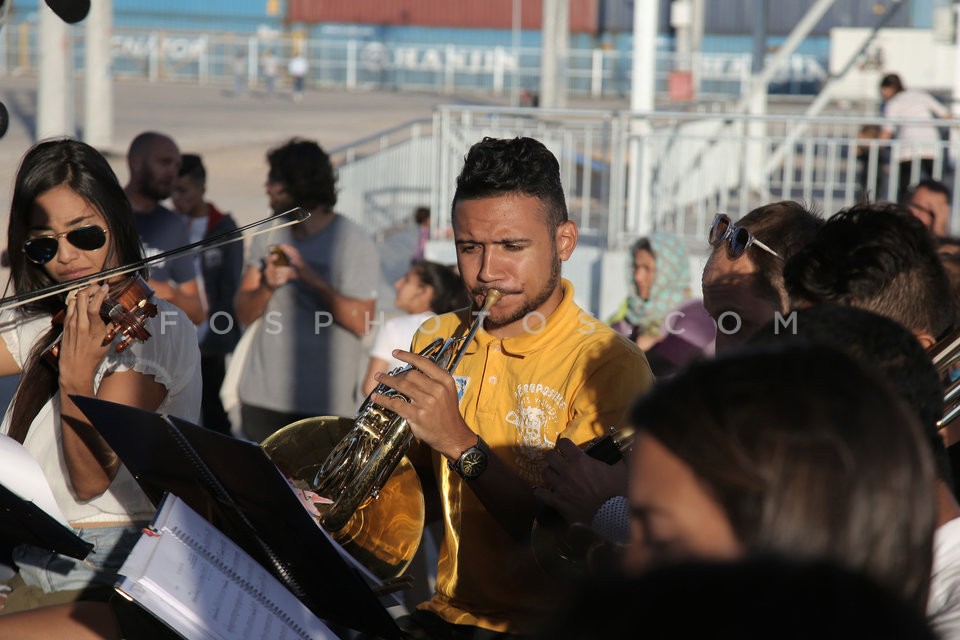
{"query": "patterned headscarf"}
{"type": "Point", "coordinates": [670, 287]}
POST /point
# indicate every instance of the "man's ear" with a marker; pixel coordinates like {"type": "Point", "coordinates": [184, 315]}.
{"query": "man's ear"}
{"type": "Point", "coordinates": [566, 238]}
{"type": "Point", "coordinates": [927, 341]}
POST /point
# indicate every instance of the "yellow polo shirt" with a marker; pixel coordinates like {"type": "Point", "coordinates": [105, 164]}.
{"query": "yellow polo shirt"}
{"type": "Point", "coordinates": [574, 377]}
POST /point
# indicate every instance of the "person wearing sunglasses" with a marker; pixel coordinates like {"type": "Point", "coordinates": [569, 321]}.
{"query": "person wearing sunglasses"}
{"type": "Point", "coordinates": [743, 279]}
{"type": "Point", "coordinates": [69, 218]}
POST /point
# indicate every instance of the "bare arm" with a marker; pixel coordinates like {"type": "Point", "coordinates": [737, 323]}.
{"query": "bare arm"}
{"type": "Point", "coordinates": [91, 463]}
{"type": "Point", "coordinates": [252, 296]}
{"type": "Point", "coordinates": [185, 295]}
{"type": "Point", "coordinates": [8, 365]}
{"type": "Point", "coordinates": [76, 620]}
{"type": "Point", "coordinates": [353, 314]}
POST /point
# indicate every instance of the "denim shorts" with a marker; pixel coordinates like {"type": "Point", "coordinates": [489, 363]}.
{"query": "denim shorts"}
{"type": "Point", "coordinates": [54, 572]}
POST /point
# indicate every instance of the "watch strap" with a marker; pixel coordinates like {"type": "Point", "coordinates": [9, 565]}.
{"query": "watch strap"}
{"type": "Point", "coordinates": [471, 454]}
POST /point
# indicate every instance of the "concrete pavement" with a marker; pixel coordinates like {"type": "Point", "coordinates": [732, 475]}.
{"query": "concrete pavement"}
{"type": "Point", "coordinates": [232, 133]}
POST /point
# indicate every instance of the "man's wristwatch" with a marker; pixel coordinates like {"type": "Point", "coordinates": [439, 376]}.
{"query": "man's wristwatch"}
{"type": "Point", "coordinates": [471, 462]}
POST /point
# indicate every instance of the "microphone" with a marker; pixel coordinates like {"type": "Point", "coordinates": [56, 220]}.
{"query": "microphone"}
{"type": "Point", "coordinates": [70, 11]}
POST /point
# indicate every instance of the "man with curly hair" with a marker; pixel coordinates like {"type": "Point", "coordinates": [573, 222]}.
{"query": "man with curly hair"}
{"type": "Point", "coordinates": [315, 286]}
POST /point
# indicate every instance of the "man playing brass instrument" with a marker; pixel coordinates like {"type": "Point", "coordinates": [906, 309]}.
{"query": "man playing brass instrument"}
{"type": "Point", "coordinates": [539, 369]}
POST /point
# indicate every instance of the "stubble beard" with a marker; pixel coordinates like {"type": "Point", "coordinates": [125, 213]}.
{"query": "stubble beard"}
{"type": "Point", "coordinates": [149, 188]}
{"type": "Point", "coordinates": [533, 304]}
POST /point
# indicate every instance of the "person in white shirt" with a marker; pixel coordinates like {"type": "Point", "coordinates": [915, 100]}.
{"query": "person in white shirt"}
{"type": "Point", "coordinates": [297, 68]}
{"type": "Point", "coordinates": [917, 145]}
{"type": "Point", "coordinates": [425, 291]}
{"type": "Point", "coordinates": [69, 218]}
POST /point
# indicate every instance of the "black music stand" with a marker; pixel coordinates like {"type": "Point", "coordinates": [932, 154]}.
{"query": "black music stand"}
{"type": "Point", "coordinates": [234, 485]}
{"type": "Point", "coordinates": [23, 522]}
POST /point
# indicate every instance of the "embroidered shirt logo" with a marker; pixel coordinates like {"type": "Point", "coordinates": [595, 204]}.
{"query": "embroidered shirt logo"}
{"type": "Point", "coordinates": [537, 418]}
{"type": "Point", "coordinates": [461, 382]}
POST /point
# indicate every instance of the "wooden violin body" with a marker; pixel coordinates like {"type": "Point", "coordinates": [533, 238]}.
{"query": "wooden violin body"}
{"type": "Point", "coordinates": [126, 308]}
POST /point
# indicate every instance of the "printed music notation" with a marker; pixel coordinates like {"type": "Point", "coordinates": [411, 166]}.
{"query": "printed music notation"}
{"type": "Point", "coordinates": [192, 577]}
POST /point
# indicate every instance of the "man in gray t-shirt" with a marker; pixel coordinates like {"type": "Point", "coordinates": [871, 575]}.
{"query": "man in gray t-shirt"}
{"type": "Point", "coordinates": [315, 301]}
{"type": "Point", "coordinates": [154, 160]}
{"type": "Point", "coordinates": [162, 230]}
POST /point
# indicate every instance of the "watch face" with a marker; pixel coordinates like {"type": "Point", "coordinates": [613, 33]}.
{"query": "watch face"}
{"type": "Point", "coordinates": [472, 463]}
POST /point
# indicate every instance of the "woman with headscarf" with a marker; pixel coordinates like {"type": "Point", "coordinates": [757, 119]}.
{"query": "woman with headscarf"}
{"type": "Point", "coordinates": [659, 276]}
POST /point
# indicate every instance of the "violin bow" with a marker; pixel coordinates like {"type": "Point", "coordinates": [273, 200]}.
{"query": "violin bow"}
{"type": "Point", "coordinates": [272, 223]}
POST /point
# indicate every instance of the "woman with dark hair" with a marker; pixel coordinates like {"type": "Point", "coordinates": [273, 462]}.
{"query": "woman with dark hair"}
{"type": "Point", "coordinates": [796, 451]}
{"type": "Point", "coordinates": [425, 291]}
{"type": "Point", "coordinates": [69, 218]}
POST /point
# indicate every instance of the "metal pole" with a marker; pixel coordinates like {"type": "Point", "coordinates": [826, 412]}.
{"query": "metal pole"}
{"type": "Point", "coordinates": [563, 47]}
{"type": "Point", "coordinates": [548, 55]}
{"type": "Point", "coordinates": [55, 115]}
{"type": "Point", "coordinates": [643, 85]}
{"type": "Point", "coordinates": [515, 44]}
{"type": "Point", "coordinates": [98, 94]}
{"type": "Point", "coordinates": [643, 75]}
{"type": "Point", "coordinates": [757, 129]}
{"type": "Point", "coordinates": [696, 41]}
{"type": "Point", "coordinates": [799, 33]}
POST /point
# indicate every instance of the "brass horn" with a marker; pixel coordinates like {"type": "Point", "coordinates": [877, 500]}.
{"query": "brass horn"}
{"type": "Point", "coordinates": [376, 512]}
{"type": "Point", "coordinates": [945, 355]}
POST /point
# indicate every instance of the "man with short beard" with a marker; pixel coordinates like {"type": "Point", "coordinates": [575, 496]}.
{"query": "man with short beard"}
{"type": "Point", "coordinates": [154, 161]}
{"type": "Point", "coordinates": [540, 369]}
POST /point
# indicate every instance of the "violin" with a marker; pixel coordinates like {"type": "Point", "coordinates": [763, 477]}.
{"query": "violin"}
{"type": "Point", "coordinates": [266, 225]}
{"type": "Point", "coordinates": [126, 309]}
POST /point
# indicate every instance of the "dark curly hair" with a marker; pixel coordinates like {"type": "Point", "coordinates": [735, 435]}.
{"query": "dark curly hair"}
{"type": "Point", "coordinates": [495, 167]}
{"type": "Point", "coordinates": [304, 168]}
{"type": "Point", "coordinates": [878, 257]}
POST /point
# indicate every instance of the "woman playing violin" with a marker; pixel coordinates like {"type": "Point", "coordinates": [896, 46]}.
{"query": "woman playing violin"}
{"type": "Point", "coordinates": [69, 218]}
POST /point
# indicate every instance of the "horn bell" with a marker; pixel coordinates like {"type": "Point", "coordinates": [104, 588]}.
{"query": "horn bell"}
{"type": "Point", "coordinates": [384, 532]}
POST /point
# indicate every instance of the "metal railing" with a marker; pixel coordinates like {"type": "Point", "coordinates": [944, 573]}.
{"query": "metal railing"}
{"type": "Point", "coordinates": [383, 177]}
{"type": "Point", "coordinates": [211, 58]}
{"type": "Point", "coordinates": [626, 174]}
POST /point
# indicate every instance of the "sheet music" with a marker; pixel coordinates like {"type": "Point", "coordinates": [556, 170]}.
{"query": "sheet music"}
{"type": "Point", "coordinates": [20, 473]}
{"type": "Point", "coordinates": [201, 584]}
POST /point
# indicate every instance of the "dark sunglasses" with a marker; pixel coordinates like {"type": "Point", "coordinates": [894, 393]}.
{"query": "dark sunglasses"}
{"type": "Point", "coordinates": [41, 250]}
{"type": "Point", "coordinates": [738, 239]}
